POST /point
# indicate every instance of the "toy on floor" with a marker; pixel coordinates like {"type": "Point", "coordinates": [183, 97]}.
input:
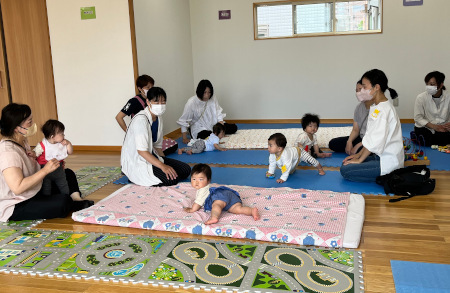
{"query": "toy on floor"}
{"type": "Point", "coordinates": [414, 155]}
{"type": "Point", "coordinates": [442, 149]}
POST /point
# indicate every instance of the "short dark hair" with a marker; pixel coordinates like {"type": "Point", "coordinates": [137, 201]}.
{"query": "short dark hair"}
{"type": "Point", "coordinates": [376, 76]}
{"type": "Point", "coordinates": [12, 116]}
{"type": "Point", "coordinates": [218, 128]}
{"type": "Point", "coordinates": [52, 127]}
{"type": "Point", "coordinates": [155, 93]}
{"type": "Point", "coordinates": [279, 139]}
{"type": "Point", "coordinates": [202, 85]}
{"type": "Point", "coordinates": [439, 76]}
{"type": "Point", "coordinates": [144, 80]}
{"type": "Point", "coordinates": [310, 118]}
{"type": "Point", "coordinates": [202, 168]}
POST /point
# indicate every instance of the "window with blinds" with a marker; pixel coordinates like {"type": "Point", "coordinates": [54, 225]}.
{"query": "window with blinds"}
{"type": "Point", "coordinates": [316, 18]}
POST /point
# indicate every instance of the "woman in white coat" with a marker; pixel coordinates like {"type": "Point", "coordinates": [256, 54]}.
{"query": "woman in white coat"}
{"type": "Point", "coordinates": [382, 150]}
{"type": "Point", "coordinates": [201, 113]}
{"type": "Point", "coordinates": [432, 112]}
{"type": "Point", "coordinates": [142, 158]}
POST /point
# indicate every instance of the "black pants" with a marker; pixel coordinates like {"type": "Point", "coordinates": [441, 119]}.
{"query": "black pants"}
{"type": "Point", "coordinates": [438, 138]}
{"type": "Point", "coordinates": [338, 144]}
{"type": "Point", "coordinates": [51, 206]}
{"type": "Point", "coordinates": [229, 129]}
{"type": "Point", "coordinates": [183, 171]}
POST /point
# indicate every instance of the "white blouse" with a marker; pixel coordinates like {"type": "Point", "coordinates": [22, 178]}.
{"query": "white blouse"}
{"type": "Point", "coordinates": [139, 138]}
{"type": "Point", "coordinates": [200, 115]}
{"type": "Point", "coordinates": [427, 110]}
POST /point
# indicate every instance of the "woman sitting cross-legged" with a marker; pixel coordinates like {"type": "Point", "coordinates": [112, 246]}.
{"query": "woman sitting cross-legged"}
{"type": "Point", "coordinates": [21, 177]}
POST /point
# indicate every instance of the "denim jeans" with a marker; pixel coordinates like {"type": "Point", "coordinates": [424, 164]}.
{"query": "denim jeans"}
{"type": "Point", "coordinates": [366, 171]}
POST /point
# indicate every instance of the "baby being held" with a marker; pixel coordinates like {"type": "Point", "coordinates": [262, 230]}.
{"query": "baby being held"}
{"type": "Point", "coordinates": [216, 199]}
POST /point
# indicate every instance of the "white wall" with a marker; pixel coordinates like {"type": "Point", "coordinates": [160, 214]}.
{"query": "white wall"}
{"type": "Point", "coordinates": [285, 78]}
{"type": "Point", "coordinates": [164, 49]}
{"type": "Point", "coordinates": [93, 68]}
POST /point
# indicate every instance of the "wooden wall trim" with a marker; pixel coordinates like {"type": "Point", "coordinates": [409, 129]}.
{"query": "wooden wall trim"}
{"type": "Point", "coordinates": [133, 41]}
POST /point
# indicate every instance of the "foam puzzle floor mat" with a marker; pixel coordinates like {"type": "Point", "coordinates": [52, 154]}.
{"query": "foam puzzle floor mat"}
{"type": "Point", "coordinates": [199, 264]}
{"type": "Point", "coordinates": [92, 178]}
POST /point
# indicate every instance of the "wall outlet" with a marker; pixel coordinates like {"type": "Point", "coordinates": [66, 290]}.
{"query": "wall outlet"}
{"type": "Point", "coordinates": [395, 102]}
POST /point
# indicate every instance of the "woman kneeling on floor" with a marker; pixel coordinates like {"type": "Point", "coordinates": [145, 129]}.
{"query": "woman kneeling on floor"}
{"type": "Point", "coordinates": [21, 176]}
{"type": "Point", "coordinates": [142, 158]}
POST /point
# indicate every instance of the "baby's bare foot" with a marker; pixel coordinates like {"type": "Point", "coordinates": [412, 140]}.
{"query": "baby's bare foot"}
{"type": "Point", "coordinates": [180, 151]}
{"type": "Point", "coordinates": [255, 214]}
{"type": "Point", "coordinates": [212, 221]}
{"type": "Point", "coordinates": [189, 152]}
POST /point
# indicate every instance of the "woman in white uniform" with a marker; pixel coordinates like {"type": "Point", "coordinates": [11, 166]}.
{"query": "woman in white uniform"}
{"type": "Point", "coordinates": [142, 158]}
{"type": "Point", "coordinates": [432, 112]}
{"type": "Point", "coordinates": [382, 150]}
{"type": "Point", "coordinates": [201, 113]}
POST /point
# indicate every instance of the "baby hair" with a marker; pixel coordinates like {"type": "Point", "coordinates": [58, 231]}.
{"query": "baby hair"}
{"type": "Point", "coordinates": [12, 116]}
{"type": "Point", "coordinates": [439, 76]}
{"type": "Point", "coordinates": [52, 127]}
{"type": "Point", "coordinates": [144, 80]}
{"type": "Point", "coordinates": [202, 168]}
{"type": "Point", "coordinates": [308, 118]}
{"type": "Point", "coordinates": [279, 139]}
{"type": "Point", "coordinates": [156, 93]}
{"type": "Point", "coordinates": [218, 128]}
{"type": "Point", "coordinates": [376, 76]}
{"type": "Point", "coordinates": [202, 85]}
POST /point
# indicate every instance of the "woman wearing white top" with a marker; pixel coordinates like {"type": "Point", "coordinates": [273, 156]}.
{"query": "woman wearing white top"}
{"type": "Point", "coordinates": [201, 113]}
{"type": "Point", "coordinates": [142, 158]}
{"type": "Point", "coordinates": [432, 112]}
{"type": "Point", "coordinates": [382, 150]}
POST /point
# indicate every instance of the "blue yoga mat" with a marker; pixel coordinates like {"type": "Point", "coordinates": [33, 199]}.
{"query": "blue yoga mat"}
{"type": "Point", "coordinates": [247, 157]}
{"type": "Point", "coordinates": [308, 179]}
{"type": "Point", "coordinates": [418, 277]}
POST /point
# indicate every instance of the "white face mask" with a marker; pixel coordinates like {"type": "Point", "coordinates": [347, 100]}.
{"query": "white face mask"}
{"type": "Point", "coordinates": [145, 92]}
{"type": "Point", "coordinates": [29, 131]}
{"type": "Point", "coordinates": [364, 95]}
{"type": "Point", "coordinates": [157, 109]}
{"type": "Point", "coordinates": [431, 89]}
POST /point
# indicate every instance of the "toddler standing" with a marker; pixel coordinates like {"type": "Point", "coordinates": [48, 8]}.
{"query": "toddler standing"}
{"type": "Point", "coordinates": [216, 199]}
{"type": "Point", "coordinates": [287, 158]}
{"type": "Point", "coordinates": [54, 146]}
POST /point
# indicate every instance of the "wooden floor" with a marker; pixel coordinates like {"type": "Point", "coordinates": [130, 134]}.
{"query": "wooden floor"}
{"type": "Point", "coordinates": [416, 229]}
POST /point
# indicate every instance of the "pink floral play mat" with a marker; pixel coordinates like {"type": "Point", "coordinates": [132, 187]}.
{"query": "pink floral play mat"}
{"type": "Point", "coordinates": [298, 216]}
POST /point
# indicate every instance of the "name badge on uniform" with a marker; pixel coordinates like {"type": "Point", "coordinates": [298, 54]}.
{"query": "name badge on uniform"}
{"type": "Point", "coordinates": [375, 113]}
{"type": "Point", "coordinates": [283, 169]}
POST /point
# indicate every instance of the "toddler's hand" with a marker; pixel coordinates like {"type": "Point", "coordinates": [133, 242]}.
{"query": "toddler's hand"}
{"type": "Point", "coordinates": [223, 149]}
{"type": "Point", "coordinates": [32, 154]}
{"type": "Point", "coordinates": [270, 175]}
{"type": "Point", "coordinates": [321, 172]}
{"type": "Point", "coordinates": [65, 142]}
{"type": "Point", "coordinates": [188, 210]}
{"type": "Point", "coordinates": [280, 181]}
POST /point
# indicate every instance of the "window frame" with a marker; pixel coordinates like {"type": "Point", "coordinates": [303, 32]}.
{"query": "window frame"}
{"type": "Point", "coordinates": [304, 35]}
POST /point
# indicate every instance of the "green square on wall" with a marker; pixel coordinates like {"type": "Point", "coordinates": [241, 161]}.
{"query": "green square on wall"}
{"type": "Point", "coordinates": [87, 12]}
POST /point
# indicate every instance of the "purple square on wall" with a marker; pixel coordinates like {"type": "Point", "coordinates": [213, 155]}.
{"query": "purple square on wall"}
{"type": "Point", "coordinates": [224, 14]}
{"type": "Point", "coordinates": [412, 2]}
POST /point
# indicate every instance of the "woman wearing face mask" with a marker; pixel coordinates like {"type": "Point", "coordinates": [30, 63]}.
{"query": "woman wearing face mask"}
{"type": "Point", "coordinates": [21, 176]}
{"type": "Point", "coordinates": [142, 158]}
{"type": "Point", "coordinates": [201, 113]}
{"type": "Point", "coordinates": [382, 150]}
{"type": "Point", "coordinates": [432, 112]}
{"type": "Point", "coordinates": [353, 143]}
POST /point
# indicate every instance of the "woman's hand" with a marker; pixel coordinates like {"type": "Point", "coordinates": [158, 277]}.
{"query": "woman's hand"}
{"type": "Point", "coordinates": [348, 148]}
{"type": "Point", "coordinates": [353, 159]}
{"type": "Point", "coordinates": [51, 166]}
{"type": "Point", "coordinates": [169, 171]}
{"type": "Point", "coordinates": [440, 128]}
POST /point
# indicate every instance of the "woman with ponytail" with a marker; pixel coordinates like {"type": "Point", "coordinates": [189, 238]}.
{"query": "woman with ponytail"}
{"type": "Point", "coordinates": [382, 150]}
